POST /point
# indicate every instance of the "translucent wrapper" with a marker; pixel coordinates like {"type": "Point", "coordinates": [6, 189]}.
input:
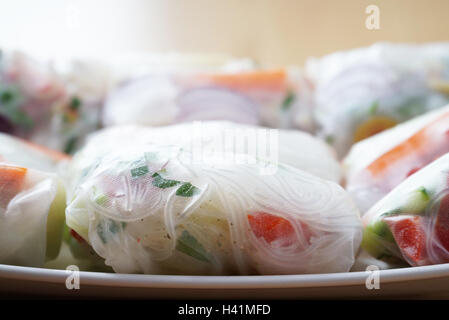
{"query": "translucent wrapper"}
{"type": "Point", "coordinates": [26, 154]}
{"type": "Point", "coordinates": [364, 91]}
{"type": "Point", "coordinates": [276, 98]}
{"type": "Point", "coordinates": [376, 165]}
{"type": "Point", "coordinates": [150, 209]}
{"type": "Point", "coordinates": [32, 207]}
{"type": "Point", "coordinates": [53, 104]}
{"type": "Point", "coordinates": [411, 223]}
{"type": "Point", "coordinates": [212, 139]}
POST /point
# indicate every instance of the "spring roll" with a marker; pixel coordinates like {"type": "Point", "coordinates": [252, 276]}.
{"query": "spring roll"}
{"type": "Point", "coordinates": [378, 164]}
{"type": "Point", "coordinates": [32, 207]}
{"type": "Point", "coordinates": [410, 224]}
{"type": "Point", "coordinates": [51, 103]}
{"type": "Point", "coordinates": [148, 208]}
{"type": "Point", "coordinates": [276, 98]}
{"type": "Point", "coordinates": [292, 147]}
{"type": "Point", "coordinates": [364, 91]}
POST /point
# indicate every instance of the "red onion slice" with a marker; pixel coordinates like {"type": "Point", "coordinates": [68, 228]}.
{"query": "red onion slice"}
{"type": "Point", "coordinates": [212, 103]}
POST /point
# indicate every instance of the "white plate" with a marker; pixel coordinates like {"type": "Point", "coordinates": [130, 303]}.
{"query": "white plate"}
{"type": "Point", "coordinates": [405, 282]}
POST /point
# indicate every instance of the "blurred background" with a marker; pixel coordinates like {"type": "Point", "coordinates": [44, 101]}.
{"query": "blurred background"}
{"type": "Point", "coordinates": [273, 32]}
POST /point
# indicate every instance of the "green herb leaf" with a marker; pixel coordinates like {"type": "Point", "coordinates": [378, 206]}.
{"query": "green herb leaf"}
{"type": "Point", "coordinates": [187, 190]}
{"type": "Point", "coordinates": [6, 96]}
{"type": "Point", "coordinates": [330, 139]}
{"type": "Point", "coordinates": [140, 171]}
{"type": "Point", "coordinates": [71, 145]}
{"type": "Point", "coordinates": [190, 246]}
{"type": "Point", "coordinates": [288, 101]}
{"type": "Point", "coordinates": [75, 103]}
{"type": "Point", "coordinates": [373, 108]}
{"type": "Point", "coordinates": [162, 183]}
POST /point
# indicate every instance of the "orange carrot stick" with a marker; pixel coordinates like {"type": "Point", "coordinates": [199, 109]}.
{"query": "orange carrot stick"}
{"type": "Point", "coordinates": [416, 143]}
{"type": "Point", "coordinates": [11, 180]}
{"type": "Point", "coordinates": [266, 79]}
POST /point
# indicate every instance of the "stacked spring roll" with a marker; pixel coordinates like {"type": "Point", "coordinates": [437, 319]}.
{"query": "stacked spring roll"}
{"type": "Point", "coordinates": [378, 164]}
{"type": "Point", "coordinates": [276, 98]}
{"type": "Point", "coordinates": [411, 223]}
{"type": "Point", "coordinates": [32, 204]}
{"type": "Point", "coordinates": [364, 91]}
{"type": "Point", "coordinates": [149, 208]}
{"type": "Point", "coordinates": [53, 104]}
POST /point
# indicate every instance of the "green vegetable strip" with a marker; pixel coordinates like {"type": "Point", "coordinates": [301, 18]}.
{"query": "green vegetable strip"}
{"type": "Point", "coordinates": [187, 190]}
{"type": "Point", "coordinates": [190, 246]}
{"type": "Point", "coordinates": [162, 183]}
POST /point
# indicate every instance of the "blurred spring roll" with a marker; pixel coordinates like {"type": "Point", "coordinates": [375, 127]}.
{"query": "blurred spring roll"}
{"type": "Point", "coordinates": [147, 208]}
{"type": "Point", "coordinates": [53, 104]}
{"type": "Point", "coordinates": [276, 98]}
{"type": "Point", "coordinates": [32, 207]}
{"type": "Point", "coordinates": [378, 164]}
{"type": "Point", "coordinates": [411, 223]}
{"type": "Point", "coordinates": [364, 91]}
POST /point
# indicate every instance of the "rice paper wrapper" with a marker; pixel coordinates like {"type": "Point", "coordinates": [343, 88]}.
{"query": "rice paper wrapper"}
{"type": "Point", "coordinates": [31, 216]}
{"type": "Point", "coordinates": [213, 139]}
{"type": "Point", "coordinates": [378, 164]}
{"type": "Point", "coordinates": [364, 91]}
{"type": "Point", "coordinates": [277, 98]}
{"type": "Point", "coordinates": [152, 209]}
{"type": "Point", "coordinates": [29, 155]}
{"type": "Point", "coordinates": [53, 103]}
{"type": "Point", "coordinates": [411, 224]}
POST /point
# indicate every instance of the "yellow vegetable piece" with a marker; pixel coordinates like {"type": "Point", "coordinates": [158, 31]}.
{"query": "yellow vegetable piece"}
{"type": "Point", "coordinates": [372, 126]}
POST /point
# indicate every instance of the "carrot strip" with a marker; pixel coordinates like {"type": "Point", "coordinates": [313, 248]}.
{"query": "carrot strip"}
{"type": "Point", "coordinates": [419, 142]}
{"type": "Point", "coordinates": [267, 79]}
{"type": "Point", "coordinates": [11, 179]}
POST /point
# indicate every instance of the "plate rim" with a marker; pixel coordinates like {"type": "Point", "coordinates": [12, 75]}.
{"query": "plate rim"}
{"type": "Point", "coordinates": [224, 282]}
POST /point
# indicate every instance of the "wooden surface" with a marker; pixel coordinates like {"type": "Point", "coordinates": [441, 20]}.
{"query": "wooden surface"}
{"type": "Point", "coordinates": [274, 32]}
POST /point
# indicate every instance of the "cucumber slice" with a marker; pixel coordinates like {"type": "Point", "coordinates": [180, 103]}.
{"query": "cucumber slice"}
{"type": "Point", "coordinates": [55, 224]}
{"type": "Point", "coordinates": [417, 202]}
{"type": "Point", "coordinates": [374, 238]}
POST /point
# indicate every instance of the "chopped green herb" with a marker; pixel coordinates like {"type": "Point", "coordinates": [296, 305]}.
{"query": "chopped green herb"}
{"type": "Point", "coordinates": [6, 96]}
{"type": "Point", "coordinates": [288, 101]}
{"type": "Point", "coordinates": [412, 107]}
{"type": "Point", "coordinates": [100, 232]}
{"type": "Point", "coordinates": [140, 171]}
{"type": "Point", "coordinates": [190, 246]}
{"type": "Point", "coordinates": [187, 190]}
{"type": "Point", "coordinates": [330, 139]}
{"type": "Point", "coordinates": [162, 183]}
{"type": "Point", "coordinates": [75, 103]}
{"type": "Point", "coordinates": [71, 145]}
{"type": "Point", "coordinates": [373, 108]}
{"type": "Point", "coordinates": [20, 118]}
{"type": "Point", "coordinates": [113, 226]}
